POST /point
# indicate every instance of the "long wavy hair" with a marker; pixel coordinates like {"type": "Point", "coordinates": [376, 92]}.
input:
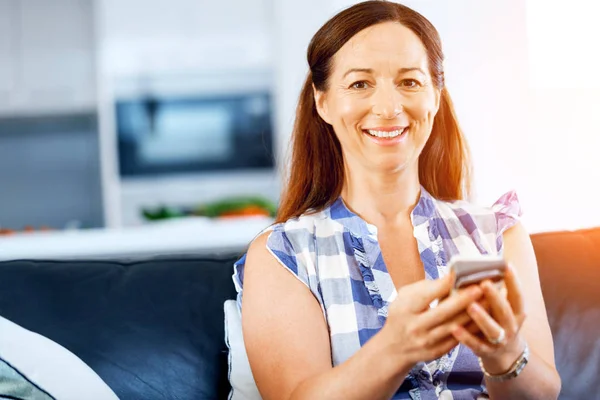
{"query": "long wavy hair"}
{"type": "Point", "coordinates": [316, 169]}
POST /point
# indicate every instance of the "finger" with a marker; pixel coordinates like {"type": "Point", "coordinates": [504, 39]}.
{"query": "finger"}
{"type": "Point", "coordinates": [442, 331]}
{"type": "Point", "coordinates": [426, 291]}
{"type": "Point", "coordinates": [473, 327]}
{"type": "Point", "coordinates": [478, 346]}
{"type": "Point", "coordinates": [464, 319]}
{"type": "Point", "coordinates": [502, 290]}
{"type": "Point", "coordinates": [488, 326]}
{"type": "Point", "coordinates": [514, 291]}
{"type": "Point", "coordinates": [450, 307]}
{"type": "Point", "coordinates": [500, 308]}
{"type": "Point", "coordinates": [484, 303]}
{"type": "Point", "coordinates": [440, 349]}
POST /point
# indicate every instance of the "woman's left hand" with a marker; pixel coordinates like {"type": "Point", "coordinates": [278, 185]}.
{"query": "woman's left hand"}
{"type": "Point", "coordinates": [499, 344]}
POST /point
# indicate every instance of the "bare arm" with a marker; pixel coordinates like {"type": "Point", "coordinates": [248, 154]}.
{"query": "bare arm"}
{"type": "Point", "coordinates": [288, 342]}
{"type": "Point", "coordinates": [539, 379]}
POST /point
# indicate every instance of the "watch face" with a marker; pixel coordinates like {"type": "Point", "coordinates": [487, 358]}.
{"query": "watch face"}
{"type": "Point", "coordinates": [514, 371]}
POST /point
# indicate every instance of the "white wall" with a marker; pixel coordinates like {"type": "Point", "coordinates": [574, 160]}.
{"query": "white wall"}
{"type": "Point", "coordinates": [564, 120]}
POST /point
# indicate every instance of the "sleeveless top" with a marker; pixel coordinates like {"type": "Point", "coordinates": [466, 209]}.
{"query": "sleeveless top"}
{"type": "Point", "coordinates": [335, 253]}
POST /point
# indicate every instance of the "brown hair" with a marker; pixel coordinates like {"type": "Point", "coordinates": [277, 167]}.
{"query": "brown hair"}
{"type": "Point", "coordinates": [317, 171]}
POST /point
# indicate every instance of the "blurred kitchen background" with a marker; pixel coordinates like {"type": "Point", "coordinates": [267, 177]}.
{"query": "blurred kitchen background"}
{"type": "Point", "coordinates": [116, 116]}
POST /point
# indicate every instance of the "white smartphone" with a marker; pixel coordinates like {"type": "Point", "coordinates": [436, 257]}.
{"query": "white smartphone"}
{"type": "Point", "coordinates": [470, 270]}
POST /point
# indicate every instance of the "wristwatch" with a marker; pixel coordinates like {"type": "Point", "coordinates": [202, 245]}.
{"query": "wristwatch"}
{"type": "Point", "coordinates": [514, 371]}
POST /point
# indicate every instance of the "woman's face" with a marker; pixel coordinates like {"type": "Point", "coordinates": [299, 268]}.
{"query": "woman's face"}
{"type": "Point", "coordinates": [380, 99]}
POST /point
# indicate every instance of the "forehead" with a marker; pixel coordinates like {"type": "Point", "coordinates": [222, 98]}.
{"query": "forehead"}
{"type": "Point", "coordinates": [388, 43]}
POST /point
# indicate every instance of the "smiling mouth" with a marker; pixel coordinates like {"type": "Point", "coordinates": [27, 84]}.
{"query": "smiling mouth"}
{"type": "Point", "coordinates": [386, 134]}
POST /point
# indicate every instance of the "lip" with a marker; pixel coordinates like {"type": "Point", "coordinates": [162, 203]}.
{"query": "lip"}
{"type": "Point", "coordinates": [385, 128]}
{"type": "Point", "coordinates": [387, 141]}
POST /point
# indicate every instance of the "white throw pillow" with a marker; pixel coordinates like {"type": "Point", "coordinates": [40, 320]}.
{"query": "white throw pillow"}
{"type": "Point", "coordinates": [242, 382]}
{"type": "Point", "coordinates": [34, 367]}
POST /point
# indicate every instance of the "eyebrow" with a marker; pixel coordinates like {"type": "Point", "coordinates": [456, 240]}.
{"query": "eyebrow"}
{"type": "Point", "coordinates": [369, 70]}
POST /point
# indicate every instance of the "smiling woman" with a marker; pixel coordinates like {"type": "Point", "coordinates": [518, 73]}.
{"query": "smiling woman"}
{"type": "Point", "coordinates": [413, 70]}
{"type": "Point", "coordinates": [371, 215]}
{"type": "Point", "coordinates": [383, 115]}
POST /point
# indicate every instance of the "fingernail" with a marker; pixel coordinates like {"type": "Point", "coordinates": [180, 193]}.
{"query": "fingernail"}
{"type": "Point", "coordinates": [474, 308]}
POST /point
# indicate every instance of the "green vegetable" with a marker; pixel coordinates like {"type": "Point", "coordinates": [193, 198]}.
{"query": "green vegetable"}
{"type": "Point", "coordinates": [212, 209]}
{"type": "Point", "coordinates": [162, 212]}
{"type": "Point", "coordinates": [217, 208]}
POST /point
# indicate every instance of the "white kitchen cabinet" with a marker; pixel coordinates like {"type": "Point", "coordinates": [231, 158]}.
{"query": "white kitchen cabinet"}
{"type": "Point", "coordinates": [152, 37]}
{"type": "Point", "coordinates": [7, 52]}
{"type": "Point", "coordinates": [49, 63]}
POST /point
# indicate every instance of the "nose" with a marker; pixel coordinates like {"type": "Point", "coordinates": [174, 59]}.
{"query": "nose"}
{"type": "Point", "coordinates": [387, 103]}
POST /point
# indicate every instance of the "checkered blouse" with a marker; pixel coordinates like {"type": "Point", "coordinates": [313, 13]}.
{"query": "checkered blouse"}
{"type": "Point", "coordinates": [336, 255]}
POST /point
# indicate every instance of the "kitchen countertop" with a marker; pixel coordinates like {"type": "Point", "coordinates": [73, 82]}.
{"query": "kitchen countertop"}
{"type": "Point", "coordinates": [194, 235]}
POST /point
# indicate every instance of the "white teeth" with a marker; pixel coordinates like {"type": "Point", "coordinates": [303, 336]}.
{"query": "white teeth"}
{"type": "Point", "coordinates": [385, 134]}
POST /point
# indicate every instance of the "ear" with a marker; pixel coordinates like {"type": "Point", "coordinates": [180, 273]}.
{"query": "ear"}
{"type": "Point", "coordinates": [321, 104]}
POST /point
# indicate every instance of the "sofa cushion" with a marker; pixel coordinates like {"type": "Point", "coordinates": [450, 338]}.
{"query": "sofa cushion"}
{"type": "Point", "coordinates": [34, 367]}
{"type": "Point", "coordinates": [243, 386]}
{"type": "Point", "coordinates": [569, 268]}
{"type": "Point", "coordinates": [151, 329]}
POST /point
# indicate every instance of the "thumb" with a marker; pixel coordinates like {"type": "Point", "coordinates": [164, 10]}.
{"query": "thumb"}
{"type": "Point", "coordinates": [424, 292]}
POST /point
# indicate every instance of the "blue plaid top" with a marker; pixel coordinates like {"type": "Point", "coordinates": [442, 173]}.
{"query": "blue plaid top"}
{"type": "Point", "coordinates": [335, 253]}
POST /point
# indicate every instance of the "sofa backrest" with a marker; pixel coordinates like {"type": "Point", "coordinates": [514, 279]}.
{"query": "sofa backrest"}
{"type": "Point", "coordinates": [151, 329]}
{"type": "Point", "coordinates": [569, 268]}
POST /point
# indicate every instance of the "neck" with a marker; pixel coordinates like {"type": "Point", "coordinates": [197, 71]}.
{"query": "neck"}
{"type": "Point", "coordinates": [382, 198]}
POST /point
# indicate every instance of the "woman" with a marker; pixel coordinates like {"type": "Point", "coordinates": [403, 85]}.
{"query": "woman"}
{"type": "Point", "coordinates": [370, 216]}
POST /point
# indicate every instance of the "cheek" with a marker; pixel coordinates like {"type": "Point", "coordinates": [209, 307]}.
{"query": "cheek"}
{"type": "Point", "coordinates": [423, 110]}
{"type": "Point", "coordinates": [350, 110]}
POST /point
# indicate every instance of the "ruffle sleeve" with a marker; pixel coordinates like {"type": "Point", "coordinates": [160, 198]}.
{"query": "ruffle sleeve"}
{"type": "Point", "coordinates": [507, 211]}
{"type": "Point", "coordinates": [286, 250]}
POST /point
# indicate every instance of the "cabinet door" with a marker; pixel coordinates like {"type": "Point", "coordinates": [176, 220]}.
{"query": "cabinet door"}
{"type": "Point", "coordinates": [8, 52]}
{"type": "Point", "coordinates": [57, 54]}
{"type": "Point", "coordinates": [166, 36]}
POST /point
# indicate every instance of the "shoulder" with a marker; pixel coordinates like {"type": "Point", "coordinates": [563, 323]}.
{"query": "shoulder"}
{"type": "Point", "coordinates": [504, 213]}
{"type": "Point", "coordinates": [459, 208]}
{"type": "Point", "coordinates": [299, 234]}
{"type": "Point", "coordinates": [470, 222]}
{"type": "Point", "coordinates": [290, 244]}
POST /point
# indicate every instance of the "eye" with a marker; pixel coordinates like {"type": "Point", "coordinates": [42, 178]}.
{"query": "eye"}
{"type": "Point", "coordinates": [410, 83]}
{"type": "Point", "coordinates": [359, 85]}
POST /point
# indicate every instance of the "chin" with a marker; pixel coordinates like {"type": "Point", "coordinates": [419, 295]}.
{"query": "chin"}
{"type": "Point", "coordinates": [393, 166]}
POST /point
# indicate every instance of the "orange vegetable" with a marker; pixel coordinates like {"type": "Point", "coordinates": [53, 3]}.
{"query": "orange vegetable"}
{"type": "Point", "coordinates": [244, 212]}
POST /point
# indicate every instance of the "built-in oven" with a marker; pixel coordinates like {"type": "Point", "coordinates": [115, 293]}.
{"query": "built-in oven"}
{"type": "Point", "coordinates": [173, 134]}
{"type": "Point", "coordinates": [186, 139]}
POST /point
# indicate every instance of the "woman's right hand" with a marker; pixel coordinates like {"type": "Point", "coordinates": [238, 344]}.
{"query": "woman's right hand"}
{"type": "Point", "coordinates": [420, 333]}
